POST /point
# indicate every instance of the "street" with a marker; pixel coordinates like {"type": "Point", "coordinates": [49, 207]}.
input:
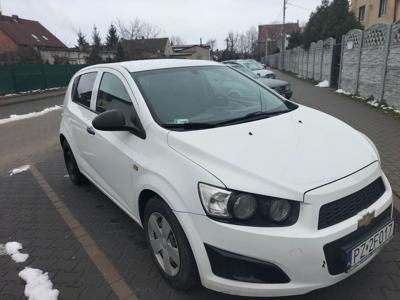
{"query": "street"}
{"type": "Point", "coordinates": [30, 218]}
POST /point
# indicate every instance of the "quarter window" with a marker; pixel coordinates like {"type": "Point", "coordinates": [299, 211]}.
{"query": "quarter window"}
{"type": "Point", "coordinates": [83, 88]}
{"type": "Point", "coordinates": [113, 95]}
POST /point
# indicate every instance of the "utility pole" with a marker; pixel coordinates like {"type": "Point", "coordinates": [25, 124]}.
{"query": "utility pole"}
{"type": "Point", "coordinates": [283, 48]}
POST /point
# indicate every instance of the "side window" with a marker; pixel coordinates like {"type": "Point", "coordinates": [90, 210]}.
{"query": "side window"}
{"type": "Point", "coordinates": [83, 88]}
{"type": "Point", "coordinates": [113, 95]}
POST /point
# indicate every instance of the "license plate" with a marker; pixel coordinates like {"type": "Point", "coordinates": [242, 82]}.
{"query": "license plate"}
{"type": "Point", "coordinates": [361, 252]}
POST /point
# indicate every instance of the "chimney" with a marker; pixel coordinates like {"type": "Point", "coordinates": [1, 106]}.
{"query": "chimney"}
{"type": "Point", "coordinates": [15, 18]}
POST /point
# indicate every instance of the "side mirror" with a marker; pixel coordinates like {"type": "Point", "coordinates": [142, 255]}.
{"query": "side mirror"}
{"type": "Point", "coordinates": [114, 120]}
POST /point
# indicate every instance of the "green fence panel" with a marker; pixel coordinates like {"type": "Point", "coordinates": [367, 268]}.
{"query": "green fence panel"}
{"type": "Point", "coordinates": [7, 83]}
{"type": "Point", "coordinates": [23, 78]}
{"type": "Point", "coordinates": [29, 77]}
{"type": "Point", "coordinates": [72, 69]}
{"type": "Point", "coordinates": [55, 76]}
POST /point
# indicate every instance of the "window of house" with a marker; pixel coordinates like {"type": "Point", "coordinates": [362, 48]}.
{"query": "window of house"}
{"type": "Point", "coordinates": [382, 8]}
{"type": "Point", "coordinates": [113, 95]}
{"type": "Point", "coordinates": [83, 88]}
{"type": "Point", "coordinates": [361, 13]}
{"type": "Point", "coordinates": [45, 37]}
{"type": "Point", "coordinates": [35, 37]}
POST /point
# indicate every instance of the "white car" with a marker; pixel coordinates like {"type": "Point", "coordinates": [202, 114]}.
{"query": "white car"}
{"type": "Point", "coordinates": [256, 67]}
{"type": "Point", "coordinates": [250, 195]}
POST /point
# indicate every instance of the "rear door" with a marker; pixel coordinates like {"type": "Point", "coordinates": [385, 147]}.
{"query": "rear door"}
{"type": "Point", "coordinates": [81, 117]}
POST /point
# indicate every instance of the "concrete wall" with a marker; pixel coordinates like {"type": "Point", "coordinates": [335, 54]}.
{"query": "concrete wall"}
{"type": "Point", "coordinates": [350, 63]}
{"type": "Point", "coordinates": [326, 70]}
{"type": "Point", "coordinates": [373, 61]}
{"type": "Point", "coordinates": [319, 53]}
{"type": "Point", "coordinates": [311, 60]}
{"type": "Point", "coordinates": [391, 93]}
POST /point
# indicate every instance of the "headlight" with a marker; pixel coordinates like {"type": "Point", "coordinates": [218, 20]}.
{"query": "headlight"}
{"type": "Point", "coordinates": [247, 209]}
{"type": "Point", "coordinates": [215, 200]}
{"type": "Point", "coordinates": [278, 210]}
{"type": "Point", "coordinates": [243, 206]}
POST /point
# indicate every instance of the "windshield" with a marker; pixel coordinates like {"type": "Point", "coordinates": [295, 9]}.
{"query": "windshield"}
{"type": "Point", "coordinates": [252, 65]}
{"type": "Point", "coordinates": [246, 70]}
{"type": "Point", "coordinates": [208, 95]}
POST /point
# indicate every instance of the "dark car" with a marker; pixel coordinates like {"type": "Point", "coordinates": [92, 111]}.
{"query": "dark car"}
{"type": "Point", "coordinates": [280, 86]}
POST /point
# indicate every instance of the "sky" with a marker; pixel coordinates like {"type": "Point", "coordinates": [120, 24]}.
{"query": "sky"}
{"type": "Point", "coordinates": [188, 19]}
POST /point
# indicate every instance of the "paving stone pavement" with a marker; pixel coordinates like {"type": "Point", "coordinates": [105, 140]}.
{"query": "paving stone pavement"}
{"type": "Point", "coordinates": [27, 216]}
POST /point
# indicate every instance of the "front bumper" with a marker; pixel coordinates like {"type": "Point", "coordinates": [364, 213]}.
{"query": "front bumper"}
{"type": "Point", "coordinates": [297, 250]}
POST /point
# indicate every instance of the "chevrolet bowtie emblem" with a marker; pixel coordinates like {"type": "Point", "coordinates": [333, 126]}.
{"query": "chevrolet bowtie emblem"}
{"type": "Point", "coordinates": [366, 219]}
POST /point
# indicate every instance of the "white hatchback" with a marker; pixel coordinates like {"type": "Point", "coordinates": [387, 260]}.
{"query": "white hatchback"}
{"type": "Point", "coordinates": [235, 186]}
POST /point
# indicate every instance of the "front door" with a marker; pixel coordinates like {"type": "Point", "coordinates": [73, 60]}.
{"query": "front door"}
{"type": "Point", "coordinates": [113, 150]}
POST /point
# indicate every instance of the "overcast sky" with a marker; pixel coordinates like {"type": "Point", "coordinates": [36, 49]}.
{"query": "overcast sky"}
{"type": "Point", "coordinates": [189, 19]}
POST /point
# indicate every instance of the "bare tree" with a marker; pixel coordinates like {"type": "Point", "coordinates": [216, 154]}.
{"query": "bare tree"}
{"type": "Point", "coordinates": [137, 29]}
{"type": "Point", "coordinates": [176, 40]}
{"type": "Point", "coordinates": [211, 43]}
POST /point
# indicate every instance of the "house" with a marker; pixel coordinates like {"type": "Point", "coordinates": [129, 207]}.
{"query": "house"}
{"type": "Point", "coordinates": [370, 12]}
{"type": "Point", "coordinates": [192, 52]}
{"type": "Point", "coordinates": [271, 34]}
{"type": "Point", "coordinates": [16, 33]}
{"type": "Point", "coordinates": [147, 48]}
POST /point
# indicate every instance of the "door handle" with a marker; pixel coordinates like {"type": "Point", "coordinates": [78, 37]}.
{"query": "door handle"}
{"type": "Point", "coordinates": [90, 130]}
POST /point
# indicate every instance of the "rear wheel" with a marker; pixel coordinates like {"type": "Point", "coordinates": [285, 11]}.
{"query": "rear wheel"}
{"type": "Point", "coordinates": [72, 167]}
{"type": "Point", "coordinates": [169, 246]}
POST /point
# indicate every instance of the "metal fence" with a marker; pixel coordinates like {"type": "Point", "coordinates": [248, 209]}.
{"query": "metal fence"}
{"type": "Point", "coordinates": [22, 78]}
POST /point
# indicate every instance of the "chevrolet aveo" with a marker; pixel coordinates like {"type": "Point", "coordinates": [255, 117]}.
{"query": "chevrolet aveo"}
{"type": "Point", "coordinates": [236, 187]}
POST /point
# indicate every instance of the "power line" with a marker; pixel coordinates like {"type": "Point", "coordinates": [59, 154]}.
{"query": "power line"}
{"type": "Point", "coordinates": [298, 6]}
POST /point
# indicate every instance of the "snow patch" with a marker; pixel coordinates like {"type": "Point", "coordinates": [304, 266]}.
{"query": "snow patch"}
{"type": "Point", "coordinates": [66, 176]}
{"type": "Point", "coordinates": [19, 170]}
{"type": "Point", "coordinates": [38, 285]}
{"type": "Point", "coordinates": [12, 249]}
{"type": "Point", "coordinates": [14, 118]}
{"type": "Point", "coordinates": [340, 91]}
{"type": "Point", "coordinates": [323, 84]}
{"type": "Point", "coordinates": [373, 103]}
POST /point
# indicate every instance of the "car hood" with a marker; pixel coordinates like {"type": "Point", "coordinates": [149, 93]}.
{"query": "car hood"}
{"type": "Point", "coordinates": [282, 156]}
{"type": "Point", "coordinates": [272, 83]}
{"type": "Point", "coordinates": [263, 72]}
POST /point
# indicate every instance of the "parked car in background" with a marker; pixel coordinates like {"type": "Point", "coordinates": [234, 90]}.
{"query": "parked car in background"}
{"type": "Point", "coordinates": [280, 86]}
{"type": "Point", "coordinates": [254, 66]}
{"type": "Point", "coordinates": [250, 194]}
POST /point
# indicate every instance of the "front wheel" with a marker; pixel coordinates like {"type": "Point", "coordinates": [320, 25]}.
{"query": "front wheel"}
{"type": "Point", "coordinates": [170, 249]}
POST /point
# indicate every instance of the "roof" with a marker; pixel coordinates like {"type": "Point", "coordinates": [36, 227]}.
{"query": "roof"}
{"type": "Point", "coordinates": [28, 32]}
{"type": "Point", "coordinates": [155, 64]}
{"type": "Point", "coordinates": [179, 48]}
{"type": "Point", "coordinates": [273, 31]}
{"type": "Point", "coordinates": [156, 45]}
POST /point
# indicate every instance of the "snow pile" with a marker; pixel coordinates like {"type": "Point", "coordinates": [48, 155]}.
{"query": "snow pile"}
{"type": "Point", "coordinates": [323, 84]}
{"type": "Point", "coordinates": [38, 285]}
{"type": "Point", "coordinates": [14, 118]}
{"type": "Point", "coordinates": [19, 169]}
{"type": "Point", "coordinates": [340, 91]}
{"type": "Point", "coordinates": [373, 103]}
{"type": "Point", "coordinates": [12, 249]}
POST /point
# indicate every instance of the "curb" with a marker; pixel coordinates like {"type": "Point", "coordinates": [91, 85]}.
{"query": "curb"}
{"type": "Point", "coordinates": [4, 101]}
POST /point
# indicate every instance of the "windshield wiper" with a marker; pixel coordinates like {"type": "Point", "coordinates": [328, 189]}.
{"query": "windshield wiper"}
{"type": "Point", "coordinates": [188, 126]}
{"type": "Point", "coordinates": [256, 115]}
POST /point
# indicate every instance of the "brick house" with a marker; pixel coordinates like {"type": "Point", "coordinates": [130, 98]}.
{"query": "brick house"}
{"type": "Point", "coordinates": [16, 32]}
{"type": "Point", "coordinates": [147, 48]}
{"type": "Point", "coordinates": [272, 33]}
{"type": "Point", "coordinates": [192, 52]}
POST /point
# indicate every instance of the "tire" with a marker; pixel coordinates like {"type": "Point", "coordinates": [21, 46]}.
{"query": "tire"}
{"type": "Point", "coordinates": [185, 275]}
{"type": "Point", "coordinates": [72, 167]}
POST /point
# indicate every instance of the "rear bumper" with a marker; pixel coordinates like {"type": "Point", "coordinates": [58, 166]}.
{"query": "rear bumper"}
{"type": "Point", "coordinates": [298, 251]}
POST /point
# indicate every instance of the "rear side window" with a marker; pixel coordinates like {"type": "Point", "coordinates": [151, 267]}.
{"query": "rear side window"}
{"type": "Point", "coordinates": [83, 88]}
